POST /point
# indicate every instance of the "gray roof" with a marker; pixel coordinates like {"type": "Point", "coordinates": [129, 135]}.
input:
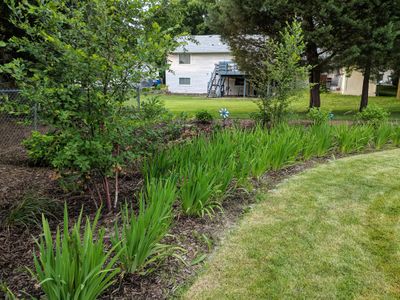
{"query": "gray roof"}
{"type": "Point", "coordinates": [203, 44]}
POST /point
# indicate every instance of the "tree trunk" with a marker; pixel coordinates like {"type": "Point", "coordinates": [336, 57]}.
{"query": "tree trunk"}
{"type": "Point", "coordinates": [315, 74]}
{"type": "Point", "coordinates": [365, 88]}
{"type": "Point", "coordinates": [398, 89]}
{"type": "Point", "coordinates": [315, 77]}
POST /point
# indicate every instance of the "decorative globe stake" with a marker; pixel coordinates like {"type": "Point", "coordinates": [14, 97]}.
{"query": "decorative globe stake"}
{"type": "Point", "coordinates": [224, 113]}
{"type": "Point", "coordinates": [331, 116]}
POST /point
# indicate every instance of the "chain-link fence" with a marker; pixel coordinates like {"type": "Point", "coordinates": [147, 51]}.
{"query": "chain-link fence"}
{"type": "Point", "coordinates": [15, 126]}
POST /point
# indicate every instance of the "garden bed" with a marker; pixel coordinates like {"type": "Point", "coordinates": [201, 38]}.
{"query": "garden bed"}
{"type": "Point", "coordinates": [196, 236]}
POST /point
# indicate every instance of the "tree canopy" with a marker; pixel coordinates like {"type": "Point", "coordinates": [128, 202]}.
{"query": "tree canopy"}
{"type": "Point", "coordinates": [332, 30]}
{"type": "Point", "coordinates": [374, 29]}
{"type": "Point", "coordinates": [85, 59]}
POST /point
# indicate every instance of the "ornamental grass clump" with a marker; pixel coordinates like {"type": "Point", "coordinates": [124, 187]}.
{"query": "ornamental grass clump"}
{"type": "Point", "coordinates": [139, 239]}
{"type": "Point", "coordinates": [383, 135]}
{"type": "Point", "coordinates": [206, 169]}
{"type": "Point", "coordinates": [351, 139]}
{"type": "Point", "coordinates": [72, 267]}
{"type": "Point", "coordinates": [285, 146]}
{"type": "Point", "coordinates": [395, 136]}
{"type": "Point", "coordinates": [198, 190]}
{"type": "Point", "coordinates": [317, 141]}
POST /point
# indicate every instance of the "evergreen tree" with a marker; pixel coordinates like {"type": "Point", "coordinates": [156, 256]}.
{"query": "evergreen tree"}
{"type": "Point", "coordinates": [374, 27]}
{"type": "Point", "coordinates": [244, 24]}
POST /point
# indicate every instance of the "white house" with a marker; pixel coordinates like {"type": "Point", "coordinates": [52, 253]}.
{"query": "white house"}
{"type": "Point", "coordinates": [195, 69]}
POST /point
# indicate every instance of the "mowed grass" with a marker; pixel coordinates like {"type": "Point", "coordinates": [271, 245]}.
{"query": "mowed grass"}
{"type": "Point", "coordinates": [332, 232]}
{"type": "Point", "coordinates": [344, 107]}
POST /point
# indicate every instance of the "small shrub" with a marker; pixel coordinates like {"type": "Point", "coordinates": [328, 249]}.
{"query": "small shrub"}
{"type": "Point", "coordinates": [373, 115]}
{"type": "Point", "coordinates": [74, 267]}
{"type": "Point", "coordinates": [40, 147]}
{"type": "Point", "coordinates": [141, 234]}
{"type": "Point", "coordinates": [29, 210]}
{"type": "Point", "coordinates": [153, 108]}
{"type": "Point", "coordinates": [204, 117]}
{"type": "Point", "coordinates": [318, 116]}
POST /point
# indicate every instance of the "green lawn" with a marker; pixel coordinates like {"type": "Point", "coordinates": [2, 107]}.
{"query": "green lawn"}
{"type": "Point", "coordinates": [332, 232]}
{"type": "Point", "coordinates": [344, 107]}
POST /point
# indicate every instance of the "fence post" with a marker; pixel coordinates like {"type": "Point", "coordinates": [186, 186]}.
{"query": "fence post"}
{"type": "Point", "coordinates": [138, 96]}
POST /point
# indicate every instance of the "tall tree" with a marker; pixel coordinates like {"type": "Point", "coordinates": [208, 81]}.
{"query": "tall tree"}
{"type": "Point", "coordinates": [374, 27]}
{"type": "Point", "coordinates": [245, 23]}
{"type": "Point", "coordinates": [88, 55]}
{"type": "Point", "coordinates": [190, 15]}
{"type": "Point", "coordinates": [7, 31]}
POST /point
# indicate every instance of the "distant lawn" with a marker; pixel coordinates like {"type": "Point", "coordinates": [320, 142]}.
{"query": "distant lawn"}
{"type": "Point", "coordinates": [331, 232]}
{"type": "Point", "coordinates": [344, 107]}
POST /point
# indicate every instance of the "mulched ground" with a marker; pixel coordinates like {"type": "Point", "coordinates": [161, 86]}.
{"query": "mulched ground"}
{"type": "Point", "coordinates": [198, 236]}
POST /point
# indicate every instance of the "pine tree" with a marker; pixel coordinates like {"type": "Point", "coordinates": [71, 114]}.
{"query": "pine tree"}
{"type": "Point", "coordinates": [374, 27]}
{"type": "Point", "coordinates": [244, 23]}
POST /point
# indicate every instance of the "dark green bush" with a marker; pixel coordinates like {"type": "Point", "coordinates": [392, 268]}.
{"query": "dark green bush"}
{"type": "Point", "coordinates": [373, 115]}
{"type": "Point", "coordinates": [40, 147]}
{"type": "Point", "coordinates": [204, 117]}
{"type": "Point", "coordinates": [153, 108]}
{"type": "Point", "coordinates": [318, 116]}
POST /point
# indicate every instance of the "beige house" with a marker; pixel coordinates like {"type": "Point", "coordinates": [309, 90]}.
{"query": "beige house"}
{"type": "Point", "coordinates": [350, 83]}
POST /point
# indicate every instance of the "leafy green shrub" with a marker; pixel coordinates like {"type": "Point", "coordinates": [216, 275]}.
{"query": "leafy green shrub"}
{"type": "Point", "coordinates": [40, 147]}
{"type": "Point", "coordinates": [318, 116]}
{"type": "Point", "coordinates": [73, 267]}
{"type": "Point", "coordinates": [29, 210]}
{"type": "Point", "coordinates": [80, 71]}
{"type": "Point", "coordinates": [280, 75]}
{"type": "Point", "coordinates": [141, 234]}
{"type": "Point", "coordinates": [204, 117]}
{"type": "Point", "coordinates": [373, 115]}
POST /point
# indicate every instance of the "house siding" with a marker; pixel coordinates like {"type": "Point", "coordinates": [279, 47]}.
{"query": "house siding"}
{"type": "Point", "coordinates": [352, 84]}
{"type": "Point", "coordinates": [199, 71]}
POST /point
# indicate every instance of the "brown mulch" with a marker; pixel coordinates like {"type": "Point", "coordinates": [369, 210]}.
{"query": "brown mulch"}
{"type": "Point", "coordinates": [198, 236]}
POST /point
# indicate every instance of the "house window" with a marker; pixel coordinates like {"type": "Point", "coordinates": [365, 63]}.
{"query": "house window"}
{"type": "Point", "coordinates": [184, 59]}
{"type": "Point", "coordinates": [184, 81]}
{"type": "Point", "coordinates": [239, 81]}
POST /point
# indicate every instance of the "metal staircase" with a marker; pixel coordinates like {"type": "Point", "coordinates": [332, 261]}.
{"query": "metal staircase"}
{"type": "Point", "coordinates": [222, 71]}
{"type": "Point", "coordinates": [216, 85]}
